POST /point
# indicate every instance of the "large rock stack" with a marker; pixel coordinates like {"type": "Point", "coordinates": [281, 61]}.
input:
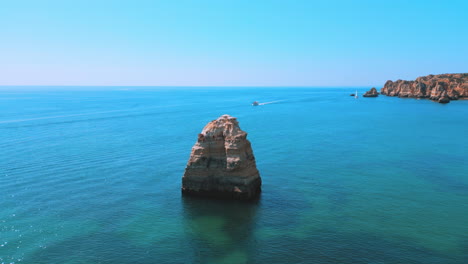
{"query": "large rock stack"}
{"type": "Point", "coordinates": [222, 163]}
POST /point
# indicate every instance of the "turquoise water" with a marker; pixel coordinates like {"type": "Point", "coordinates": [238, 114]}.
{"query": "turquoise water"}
{"type": "Point", "coordinates": [94, 177]}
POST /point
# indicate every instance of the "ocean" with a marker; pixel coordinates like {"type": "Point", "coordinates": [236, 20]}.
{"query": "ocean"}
{"type": "Point", "coordinates": [93, 176]}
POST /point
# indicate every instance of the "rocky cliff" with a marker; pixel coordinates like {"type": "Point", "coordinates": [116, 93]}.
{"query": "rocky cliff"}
{"type": "Point", "coordinates": [442, 87]}
{"type": "Point", "coordinates": [222, 163]}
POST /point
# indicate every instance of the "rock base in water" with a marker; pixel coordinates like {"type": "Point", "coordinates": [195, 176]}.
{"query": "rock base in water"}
{"type": "Point", "coordinates": [222, 163]}
{"type": "Point", "coordinates": [444, 100]}
{"type": "Point", "coordinates": [246, 191]}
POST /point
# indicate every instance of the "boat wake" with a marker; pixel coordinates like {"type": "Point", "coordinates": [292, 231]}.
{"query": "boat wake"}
{"type": "Point", "coordinates": [272, 102]}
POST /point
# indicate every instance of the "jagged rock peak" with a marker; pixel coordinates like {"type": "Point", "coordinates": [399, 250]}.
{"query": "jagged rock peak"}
{"type": "Point", "coordinates": [222, 163]}
{"type": "Point", "coordinates": [225, 125]}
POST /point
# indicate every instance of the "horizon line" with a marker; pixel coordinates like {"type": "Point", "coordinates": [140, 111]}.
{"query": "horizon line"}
{"type": "Point", "coordinates": [195, 86]}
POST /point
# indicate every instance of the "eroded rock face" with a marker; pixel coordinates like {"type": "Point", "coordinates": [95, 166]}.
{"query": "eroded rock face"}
{"type": "Point", "coordinates": [434, 87]}
{"type": "Point", "coordinates": [222, 163]}
{"type": "Point", "coordinates": [371, 93]}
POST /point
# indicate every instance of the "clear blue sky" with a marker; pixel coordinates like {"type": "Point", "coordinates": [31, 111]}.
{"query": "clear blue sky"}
{"type": "Point", "coordinates": [233, 43]}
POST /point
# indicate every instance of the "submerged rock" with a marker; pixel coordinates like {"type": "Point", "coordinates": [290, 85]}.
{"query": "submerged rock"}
{"type": "Point", "coordinates": [371, 93]}
{"type": "Point", "coordinates": [222, 163]}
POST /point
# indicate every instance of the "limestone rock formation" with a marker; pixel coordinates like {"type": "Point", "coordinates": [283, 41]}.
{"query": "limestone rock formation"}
{"type": "Point", "coordinates": [434, 87]}
{"type": "Point", "coordinates": [222, 163]}
{"type": "Point", "coordinates": [371, 93]}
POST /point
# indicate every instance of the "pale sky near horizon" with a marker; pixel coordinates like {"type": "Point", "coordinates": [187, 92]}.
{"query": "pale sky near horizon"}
{"type": "Point", "coordinates": [230, 43]}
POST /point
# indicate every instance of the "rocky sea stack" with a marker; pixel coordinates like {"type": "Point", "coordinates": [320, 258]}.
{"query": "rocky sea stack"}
{"type": "Point", "coordinates": [371, 93]}
{"type": "Point", "coordinates": [441, 88]}
{"type": "Point", "coordinates": [222, 163]}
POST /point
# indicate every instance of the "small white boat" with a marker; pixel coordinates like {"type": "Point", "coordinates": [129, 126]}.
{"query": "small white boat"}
{"type": "Point", "coordinates": [356, 95]}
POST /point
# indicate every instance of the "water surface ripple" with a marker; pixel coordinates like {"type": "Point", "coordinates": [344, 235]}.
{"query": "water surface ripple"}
{"type": "Point", "coordinates": [94, 177]}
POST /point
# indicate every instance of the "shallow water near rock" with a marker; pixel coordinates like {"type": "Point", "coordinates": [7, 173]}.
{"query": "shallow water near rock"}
{"type": "Point", "coordinates": [94, 176]}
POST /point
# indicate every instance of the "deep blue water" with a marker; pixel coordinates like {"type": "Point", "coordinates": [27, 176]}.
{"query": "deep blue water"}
{"type": "Point", "coordinates": [94, 177]}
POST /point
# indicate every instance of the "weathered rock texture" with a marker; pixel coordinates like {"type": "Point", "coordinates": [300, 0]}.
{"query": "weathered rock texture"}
{"type": "Point", "coordinates": [371, 93]}
{"type": "Point", "coordinates": [434, 87]}
{"type": "Point", "coordinates": [222, 163]}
